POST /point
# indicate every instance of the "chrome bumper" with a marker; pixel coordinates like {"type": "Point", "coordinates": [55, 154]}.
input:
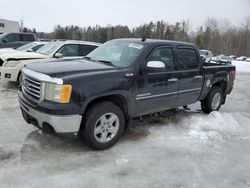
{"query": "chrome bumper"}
{"type": "Point", "coordinates": [60, 124]}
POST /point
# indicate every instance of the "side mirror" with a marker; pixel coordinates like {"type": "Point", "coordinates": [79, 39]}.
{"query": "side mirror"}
{"type": "Point", "coordinates": [30, 50]}
{"type": "Point", "coordinates": [156, 65]}
{"type": "Point", "coordinates": [5, 40]}
{"type": "Point", "coordinates": [58, 55]}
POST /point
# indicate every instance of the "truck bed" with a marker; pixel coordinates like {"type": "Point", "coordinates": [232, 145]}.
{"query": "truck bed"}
{"type": "Point", "coordinates": [212, 71]}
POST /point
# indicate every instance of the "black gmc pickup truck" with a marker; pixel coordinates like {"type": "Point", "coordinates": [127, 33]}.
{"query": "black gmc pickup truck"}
{"type": "Point", "coordinates": [98, 95]}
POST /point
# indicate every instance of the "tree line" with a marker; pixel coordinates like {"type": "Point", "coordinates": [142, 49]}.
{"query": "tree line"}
{"type": "Point", "coordinates": [215, 35]}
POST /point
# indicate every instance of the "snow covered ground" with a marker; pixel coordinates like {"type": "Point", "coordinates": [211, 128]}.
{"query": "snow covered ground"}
{"type": "Point", "coordinates": [242, 66]}
{"type": "Point", "coordinates": [189, 149]}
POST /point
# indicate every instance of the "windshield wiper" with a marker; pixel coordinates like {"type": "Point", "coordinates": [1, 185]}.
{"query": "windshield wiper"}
{"type": "Point", "coordinates": [106, 62]}
{"type": "Point", "coordinates": [101, 61]}
{"type": "Point", "coordinates": [87, 58]}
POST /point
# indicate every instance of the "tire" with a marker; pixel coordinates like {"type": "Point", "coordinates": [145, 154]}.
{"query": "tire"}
{"type": "Point", "coordinates": [103, 125]}
{"type": "Point", "coordinates": [213, 101]}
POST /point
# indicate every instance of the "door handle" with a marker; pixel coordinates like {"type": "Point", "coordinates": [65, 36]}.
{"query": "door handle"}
{"type": "Point", "coordinates": [198, 77]}
{"type": "Point", "coordinates": [173, 79]}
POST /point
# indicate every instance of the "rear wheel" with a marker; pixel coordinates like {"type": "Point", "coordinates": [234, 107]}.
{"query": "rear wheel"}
{"type": "Point", "coordinates": [103, 125]}
{"type": "Point", "coordinates": [213, 101]}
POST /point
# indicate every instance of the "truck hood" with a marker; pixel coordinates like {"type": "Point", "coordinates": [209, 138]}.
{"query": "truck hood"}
{"type": "Point", "coordinates": [5, 50]}
{"type": "Point", "coordinates": [67, 67]}
{"type": "Point", "coordinates": [19, 55]}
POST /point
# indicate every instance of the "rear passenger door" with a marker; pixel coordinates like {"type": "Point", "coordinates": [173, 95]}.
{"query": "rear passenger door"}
{"type": "Point", "coordinates": [13, 40]}
{"type": "Point", "coordinates": [86, 49]}
{"type": "Point", "coordinates": [189, 74]}
{"type": "Point", "coordinates": [157, 90]}
{"type": "Point", "coordinates": [25, 38]}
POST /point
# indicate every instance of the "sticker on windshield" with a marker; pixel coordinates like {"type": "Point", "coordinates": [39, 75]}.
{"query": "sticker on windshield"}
{"type": "Point", "coordinates": [137, 46]}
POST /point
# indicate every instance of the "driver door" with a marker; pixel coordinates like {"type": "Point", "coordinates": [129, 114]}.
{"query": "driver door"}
{"type": "Point", "coordinates": [157, 88]}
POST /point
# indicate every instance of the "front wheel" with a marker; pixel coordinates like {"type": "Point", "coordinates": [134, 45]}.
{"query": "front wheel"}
{"type": "Point", "coordinates": [213, 101]}
{"type": "Point", "coordinates": [103, 125]}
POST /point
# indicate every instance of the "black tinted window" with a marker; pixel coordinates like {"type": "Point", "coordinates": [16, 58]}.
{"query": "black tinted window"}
{"type": "Point", "coordinates": [164, 55]}
{"type": "Point", "coordinates": [187, 59]}
{"type": "Point", "coordinates": [27, 37]}
{"type": "Point", "coordinates": [86, 49]}
{"type": "Point", "coordinates": [12, 37]}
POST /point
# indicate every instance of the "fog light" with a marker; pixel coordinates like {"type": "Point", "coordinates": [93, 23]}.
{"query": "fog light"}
{"type": "Point", "coordinates": [7, 75]}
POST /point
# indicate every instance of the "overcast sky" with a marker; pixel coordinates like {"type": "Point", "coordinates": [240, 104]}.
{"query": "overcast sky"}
{"type": "Point", "coordinates": [45, 14]}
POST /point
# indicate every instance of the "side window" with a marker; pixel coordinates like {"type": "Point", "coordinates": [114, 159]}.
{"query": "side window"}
{"type": "Point", "coordinates": [164, 55]}
{"type": "Point", "coordinates": [69, 50]}
{"type": "Point", "coordinates": [12, 37]}
{"type": "Point", "coordinates": [187, 59]}
{"type": "Point", "coordinates": [86, 49]}
{"type": "Point", "coordinates": [27, 37]}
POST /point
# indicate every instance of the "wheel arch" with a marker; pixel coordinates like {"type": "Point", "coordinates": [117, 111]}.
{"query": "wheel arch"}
{"type": "Point", "coordinates": [117, 99]}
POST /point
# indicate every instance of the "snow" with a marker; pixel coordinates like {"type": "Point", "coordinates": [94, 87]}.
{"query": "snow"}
{"type": "Point", "coordinates": [188, 149]}
{"type": "Point", "coordinates": [242, 66]}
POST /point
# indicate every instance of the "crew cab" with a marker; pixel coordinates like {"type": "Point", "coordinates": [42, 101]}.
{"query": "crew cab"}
{"type": "Point", "coordinates": [100, 94]}
{"type": "Point", "coordinates": [11, 63]}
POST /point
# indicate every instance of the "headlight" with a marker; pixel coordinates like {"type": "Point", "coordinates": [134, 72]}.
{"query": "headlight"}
{"type": "Point", "coordinates": [11, 63]}
{"type": "Point", "coordinates": [57, 93]}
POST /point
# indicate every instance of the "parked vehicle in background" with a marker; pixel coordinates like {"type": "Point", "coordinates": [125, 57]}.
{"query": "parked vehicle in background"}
{"type": "Point", "coordinates": [30, 47]}
{"type": "Point", "coordinates": [11, 63]}
{"type": "Point", "coordinates": [248, 59]}
{"type": "Point", "coordinates": [233, 57]}
{"type": "Point", "coordinates": [241, 58]}
{"type": "Point", "coordinates": [216, 58]}
{"type": "Point", "coordinates": [15, 40]}
{"type": "Point", "coordinates": [122, 79]}
{"type": "Point", "coordinates": [225, 59]}
{"type": "Point", "coordinates": [44, 40]}
{"type": "Point", "coordinates": [206, 55]}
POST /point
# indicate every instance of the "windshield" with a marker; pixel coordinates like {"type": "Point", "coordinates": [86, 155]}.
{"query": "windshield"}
{"type": "Point", "coordinates": [204, 53]}
{"type": "Point", "coordinates": [117, 52]}
{"type": "Point", "coordinates": [26, 46]}
{"type": "Point", "coordinates": [49, 48]}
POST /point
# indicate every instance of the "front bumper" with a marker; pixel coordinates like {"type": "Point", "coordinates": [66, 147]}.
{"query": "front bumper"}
{"type": "Point", "coordinates": [9, 73]}
{"type": "Point", "coordinates": [59, 123]}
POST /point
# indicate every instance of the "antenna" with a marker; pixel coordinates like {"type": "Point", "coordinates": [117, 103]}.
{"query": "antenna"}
{"type": "Point", "coordinates": [143, 39]}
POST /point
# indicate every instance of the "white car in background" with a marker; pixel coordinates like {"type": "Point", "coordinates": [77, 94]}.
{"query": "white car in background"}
{"type": "Point", "coordinates": [30, 47]}
{"type": "Point", "coordinates": [217, 57]}
{"type": "Point", "coordinates": [12, 63]}
{"type": "Point", "coordinates": [241, 58]}
{"type": "Point", "coordinates": [206, 55]}
{"type": "Point", "coordinates": [248, 59]}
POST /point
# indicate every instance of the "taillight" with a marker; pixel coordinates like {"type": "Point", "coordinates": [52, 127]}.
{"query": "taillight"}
{"type": "Point", "coordinates": [233, 73]}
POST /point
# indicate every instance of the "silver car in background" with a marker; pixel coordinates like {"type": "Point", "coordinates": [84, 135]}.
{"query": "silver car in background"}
{"type": "Point", "coordinates": [206, 55]}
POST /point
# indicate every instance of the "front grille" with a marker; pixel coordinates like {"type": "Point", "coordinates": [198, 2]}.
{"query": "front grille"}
{"type": "Point", "coordinates": [31, 88]}
{"type": "Point", "coordinates": [1, 62]}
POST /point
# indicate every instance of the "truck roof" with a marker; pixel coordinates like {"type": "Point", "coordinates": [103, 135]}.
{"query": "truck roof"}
{"type": "Point", "coordinates": [77, 42]}
{"type": "Point", "coordinates": [157, 41]}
